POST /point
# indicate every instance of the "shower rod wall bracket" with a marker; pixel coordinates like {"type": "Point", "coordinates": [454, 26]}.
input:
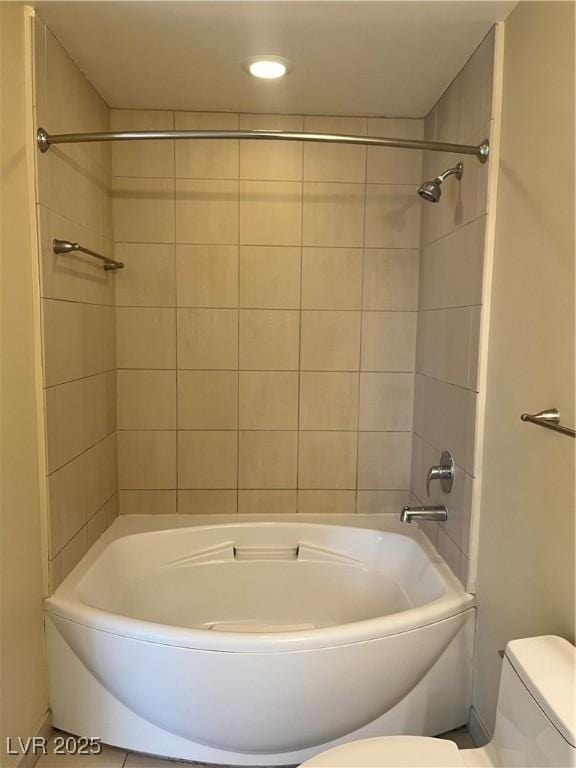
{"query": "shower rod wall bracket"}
{"type": "Point", "coordinates": [42, 140]}
{"type": "Point", "coordinates": [481, 151]}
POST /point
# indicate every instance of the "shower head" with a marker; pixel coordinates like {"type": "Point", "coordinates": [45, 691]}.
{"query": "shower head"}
{"type": "Point", "coordinates": [431, 191]}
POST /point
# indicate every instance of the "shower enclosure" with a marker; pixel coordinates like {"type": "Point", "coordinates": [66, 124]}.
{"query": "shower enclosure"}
{"type": "Point", "coordinates": [254, 317]}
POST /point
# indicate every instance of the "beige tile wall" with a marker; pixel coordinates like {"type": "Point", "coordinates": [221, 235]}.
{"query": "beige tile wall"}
{"type": "Point", "coordinates": [276, 342]}
{"type": "Point", "coordinates": [450, 306]}
{"type": "Point", "coordinates": [78, 321]}
{"type": "Point", "coordinates": [266, 318]}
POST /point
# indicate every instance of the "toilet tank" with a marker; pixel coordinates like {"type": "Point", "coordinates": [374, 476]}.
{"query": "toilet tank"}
{"type": "Point", "coordinates": [536, 705]}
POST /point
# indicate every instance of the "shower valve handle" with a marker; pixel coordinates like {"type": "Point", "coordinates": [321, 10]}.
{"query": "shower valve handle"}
{"type": "Point", "coordinates": [443, 472]}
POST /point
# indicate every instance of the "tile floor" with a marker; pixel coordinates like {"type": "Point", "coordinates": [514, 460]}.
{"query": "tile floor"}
{"type": "Point", "coordinates": [118, 758]}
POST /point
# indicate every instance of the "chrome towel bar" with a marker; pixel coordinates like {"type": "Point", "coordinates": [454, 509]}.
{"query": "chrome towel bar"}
{"type": "Point", "coordinates": [550, 419]}
{"type": "Point", "coordinates": [65, 246]}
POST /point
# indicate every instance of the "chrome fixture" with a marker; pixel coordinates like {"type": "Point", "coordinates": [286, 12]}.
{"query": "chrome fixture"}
{"type": "Point", "coordinates": [443, 472]}
{"type": "Point", "coordinates": [65, 246]}
{"type": "Point", "coordinates": [437, 514]}
{"type": "Point", "coordinates": [549, 418]}
{"type": "Point", "coordinates": [431, 191]}
{"type": "Point", "coordinates": [45, 140]}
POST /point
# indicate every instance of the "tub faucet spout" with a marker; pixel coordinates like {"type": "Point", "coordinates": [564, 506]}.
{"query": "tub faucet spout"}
{"type": "Point", "coordinates": [424, 514]}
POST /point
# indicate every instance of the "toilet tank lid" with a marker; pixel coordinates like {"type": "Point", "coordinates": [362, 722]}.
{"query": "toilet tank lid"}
{"type": "Point", "coordinates": [547, 667]}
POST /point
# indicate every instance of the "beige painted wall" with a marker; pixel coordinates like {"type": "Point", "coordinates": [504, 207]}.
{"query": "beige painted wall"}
{"type": "Point", "coordinates": [526, 555]}
{"type": "Point", "coordinates": [23, 701]}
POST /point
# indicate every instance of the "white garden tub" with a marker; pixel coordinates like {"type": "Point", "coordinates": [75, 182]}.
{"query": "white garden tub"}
{"type": "Point", "coordinates": [258, 643]}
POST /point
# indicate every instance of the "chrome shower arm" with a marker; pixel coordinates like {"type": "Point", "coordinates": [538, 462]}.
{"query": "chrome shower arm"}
{"type": "Point", "coordinates": [457, 171]}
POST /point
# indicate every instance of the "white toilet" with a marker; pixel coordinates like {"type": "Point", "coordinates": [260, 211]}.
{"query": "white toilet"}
{"type": "Point", "coordinates": [535, 717]}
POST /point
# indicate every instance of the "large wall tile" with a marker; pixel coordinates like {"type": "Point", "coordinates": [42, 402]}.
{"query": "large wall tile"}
{"type": "Point", "coordinates": [391, 502]}
{"type": "Point", "coordinates": [143, 210]}
{"type": "Point", "coordinates": [392, 216]}
{"type": "Point", "coordinates": [147, 502]}
{"type": "Point", "coordinates": [147, 459]}
{"type": "Point", "coordinates": [394, 166]}
{"type": "Point", "coordinates": [207, 502]}
{"type": "Point", "coordinates": [148, 278]}
{"type": "Point", "coordinates": [269, 339]}
{"type": "Point", "coordinates": [313, 502]}
{"type": "Point", "coordinates": [267, 502]}
{"type": "Point", "coordinates": [65, 422]}
{"type": "Point", "coordinates": [271, 160]}
{"type": "Point", "coordinates": [207, 399]}
{"type": "Point", "coordinates": [328, 401]}
{"type": "Point", "coordinates": [98, 338]}
{"type": "Point", "coordinates": [99, 407]}
{"type": "Point", "coordinates": [146, 399]}
{"type": "Point", "coordinates": [270, 213]}
{"type": "Point", "coordinates": [384, 460]}
{"type": "Point", "coordinates": [388, 340]}
{"type": "Point", "coordinates": [73, 552]}
{"type": "Point", "coordinates": [268, 459]}
{"type": "Point", "coordinates": [63, 354]}
{"type": "Point", "coordinates": [207, 275]}
{"type": "Point", "coordinates": [98, 523]}
{"type": "Point", "coordinates": [210, 158]}
{"type": "Point", "coordinates": [476, 89]}
{"type": "Point", "coordinates": [207, 459]}
{"type": "Point", "coordinates": [142, 158]}
{"type": "Point", "coordinates": [206, 211]}
{"type": "Point", "coordinates": [268, 400]}
{"type": "Point", "coordinates": [331, 278]}
{"type": "Point", "coordinates": [327, 460]}
{"type": "Point", "coordinates": [67, 504]}
{"type": "Point", "coordinates": [270, 277]}
{"type": "Point", "coordinates": [443, 348]}
{"type": "Point", "coordinates": [146, 337]}
{"type": "Point", "coordinates": [207, 338]}
{"type": "Point", "coordinates": [333, 215]}
{"type": "Point", "coordinates": [100, 473]}
{"type": "Point", "coordinates": [386, 401]}
{"type": "Point", "coordinates": [390, 279]}
{"type": "Point", "coordinates": [334, 162]}
{"type": "Point", "coordinates": [451, 268]}
{"type": "Point", "coordinates": [330, 341]}
{"type": "Point", "coordinates": [445, 417]}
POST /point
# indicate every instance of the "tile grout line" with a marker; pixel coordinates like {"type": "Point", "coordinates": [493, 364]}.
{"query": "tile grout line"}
{"type": "Point", "coordinates": [269, 245]}
{"type": "Point", "coordinates": [238, 331]}
{"type": "Point", "coordinates": [298, 400]}
{"type": "Point", "coordinates": [176, 388]}
{"type": "Point", "coordinates": [361, 326]}
{"type": "Point", "coordinates": [280, 309]}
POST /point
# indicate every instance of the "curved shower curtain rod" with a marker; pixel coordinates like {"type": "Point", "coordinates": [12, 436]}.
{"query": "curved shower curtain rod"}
{"type": "Point", "coordinates": [481, 151]}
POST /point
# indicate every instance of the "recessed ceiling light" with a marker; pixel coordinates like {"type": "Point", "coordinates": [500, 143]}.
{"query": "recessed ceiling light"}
{"type": "Point", "coordinates": [267, 67]}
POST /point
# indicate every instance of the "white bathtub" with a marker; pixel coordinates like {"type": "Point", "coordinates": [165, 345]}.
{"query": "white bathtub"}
{"type": "Point", "coordinates": [258, 643]}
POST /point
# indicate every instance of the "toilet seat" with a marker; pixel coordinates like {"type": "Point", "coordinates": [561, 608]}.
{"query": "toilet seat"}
{"type": "Point", "coordinates": [390, 752]}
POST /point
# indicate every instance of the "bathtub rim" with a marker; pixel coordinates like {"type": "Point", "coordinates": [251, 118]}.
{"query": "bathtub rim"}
{"type": "Point", "coordinates": [66, 603]}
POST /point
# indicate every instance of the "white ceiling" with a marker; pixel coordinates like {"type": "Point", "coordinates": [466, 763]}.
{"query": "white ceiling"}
{"type": "Point", "coordinates": [349, 56]}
